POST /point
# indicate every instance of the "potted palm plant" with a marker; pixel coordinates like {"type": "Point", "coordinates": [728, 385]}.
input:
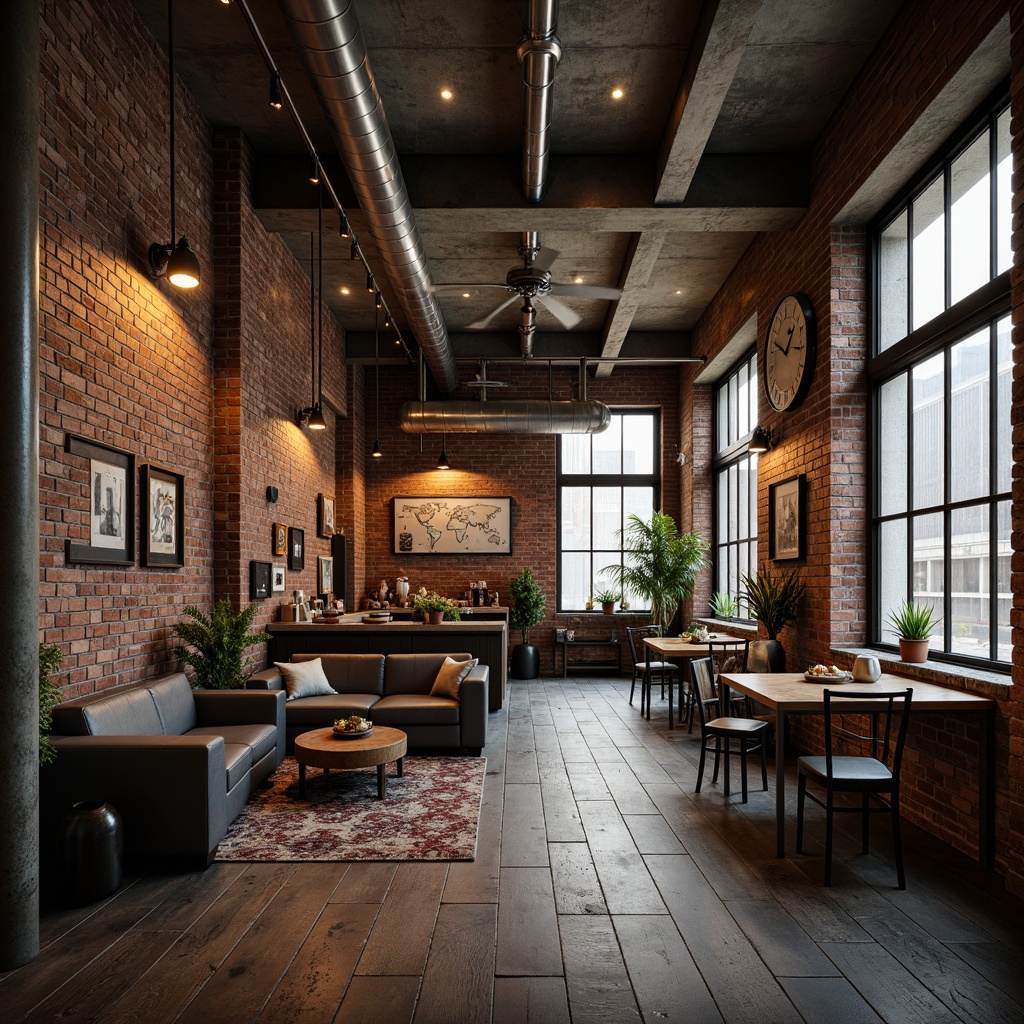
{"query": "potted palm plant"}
{"type": "Point", "coordinates": [913, 624]}
{"type": "Point", "coordinates": [528, 602]}
{"type": "Point", "coordinates": [661, 564]}
{"type": "Point", "coordinates": [772, 599]}
{"type": "Point", "coordinates": [217, 645]}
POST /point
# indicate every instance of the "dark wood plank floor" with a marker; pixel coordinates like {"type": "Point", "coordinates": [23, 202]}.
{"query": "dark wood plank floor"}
{"type": "Point", "coordinates": [604, 890]}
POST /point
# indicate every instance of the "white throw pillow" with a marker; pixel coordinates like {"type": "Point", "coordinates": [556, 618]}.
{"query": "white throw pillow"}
{"type": "Point", "coordinates": [450, 676]}
{"type": "Point", "coordinates": [304, 678]}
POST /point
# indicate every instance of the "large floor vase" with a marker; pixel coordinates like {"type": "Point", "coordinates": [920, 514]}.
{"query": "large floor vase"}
{"type": "Point", "coordinates": [90, 844]}
{"type": "Point", "coordinates": [525, 662]}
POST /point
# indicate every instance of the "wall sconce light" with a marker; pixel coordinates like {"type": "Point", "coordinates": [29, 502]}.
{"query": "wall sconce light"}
{"type": "Point", "coordinates": [276, 91]}
{"type": "Point", "coordinates": [760, 440]}
{"type": "Point", "coordinates": [442, 459]}
{"type": "Point", "coordinates": [177, 262]}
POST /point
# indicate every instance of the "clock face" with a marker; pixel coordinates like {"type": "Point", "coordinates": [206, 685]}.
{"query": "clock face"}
{"type": "Point", "coordinates": [789, 352]}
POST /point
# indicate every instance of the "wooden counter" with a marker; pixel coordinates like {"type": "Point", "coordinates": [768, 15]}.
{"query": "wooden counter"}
{"type": "Point", "coordinates": [486, 640]}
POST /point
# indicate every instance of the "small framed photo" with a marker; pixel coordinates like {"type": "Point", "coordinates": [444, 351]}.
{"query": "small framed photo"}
{"type": "Point", "coordinates": [324, 516]}
{"type": "Point", "coordinates": [324, 575]}
{"type": "Point", "coordinates": [109, 489]}
{"type": "Point", "coordinates": [279, 541]}
{"type": "Point", "coordinates": [277, 579]}
{"type": "Point", "coordinates": [163, 517]}
{"type": "Point", "coordinates": [296, 549]}
{"type": "Point", "coordinates": [259, 580]}
{"type": "Point", "coordinates": [786, 519]}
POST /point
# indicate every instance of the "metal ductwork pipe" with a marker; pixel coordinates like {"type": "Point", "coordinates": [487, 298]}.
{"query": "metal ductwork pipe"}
{"type": "Point", "coordinates": [332, 48]}
{"type": "Point", "coordinates": [526, 416]}
{"type": "Point", "coordinates": [538, 53]}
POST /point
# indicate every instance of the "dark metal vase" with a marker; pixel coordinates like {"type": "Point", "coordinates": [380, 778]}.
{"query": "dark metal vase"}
{"type": "Point", "coordinates": [525, 662]}
{"type": "Point", "coordinates": [90, 843]}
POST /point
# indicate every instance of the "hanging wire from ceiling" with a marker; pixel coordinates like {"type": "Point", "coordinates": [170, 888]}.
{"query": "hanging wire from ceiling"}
{"type": "Point", "coordinates": [324, 180]}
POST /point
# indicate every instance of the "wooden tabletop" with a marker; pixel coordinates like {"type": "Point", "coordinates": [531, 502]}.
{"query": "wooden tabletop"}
{"type": "Point", "coordinates": [677, 647]}
{"type": "Point", "coordinates": [320, 748]}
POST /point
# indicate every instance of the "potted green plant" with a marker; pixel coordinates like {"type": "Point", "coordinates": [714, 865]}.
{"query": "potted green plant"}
{"type": "Point", "coordinates": [724, 605]}
{"type": "Point", "coordinates": [50, 659]}
{"type": "Point", "coordinates": [662, 564]}
{"type": "Point", "coordinates": [607, 599]}
{"type": "Point", "coordinates": [913, 625]}
{"type": "Point", "coordinates": [435, 608]}
{"type": "Point", "coordinates": [772, 599]}
{"type": "Point", "coordinates": [217, 645]}
{"type": "Point", "coordinates": [528, 602]}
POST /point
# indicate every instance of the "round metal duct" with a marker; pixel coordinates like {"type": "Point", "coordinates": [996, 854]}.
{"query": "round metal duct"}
{"type": "Point", "coordinates": [527, 416]}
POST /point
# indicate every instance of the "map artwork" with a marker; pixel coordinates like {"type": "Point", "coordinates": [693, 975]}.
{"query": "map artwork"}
{"type": "Point", "coordinates": [453, 526]}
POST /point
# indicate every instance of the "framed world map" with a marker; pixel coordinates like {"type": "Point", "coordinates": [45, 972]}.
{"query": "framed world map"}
{"type": "Point", "coordinates": [452, 525]}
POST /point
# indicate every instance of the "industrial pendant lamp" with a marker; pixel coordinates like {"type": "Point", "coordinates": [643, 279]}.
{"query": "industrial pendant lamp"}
{"type": "Point", "coordinates": [178, 263]}
{"type": "Point", "coordinates": [313, 416]}
{"type": "Point", "coordinates": [376, 453]}
{"type": "Point", "coordinates": [442, 459]}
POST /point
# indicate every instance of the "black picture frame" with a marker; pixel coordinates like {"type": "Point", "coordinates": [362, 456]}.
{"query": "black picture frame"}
{"type": "Point", "coordinates": [296, 549]}
{"type": "Point", "coordinates": [108, 490]}
{"type": "Point", "coordinates": [786, 503]}
{"type": "Point", "coordinates": [259, 580]}
{"type": "Point", "coordinates": [161, 517]}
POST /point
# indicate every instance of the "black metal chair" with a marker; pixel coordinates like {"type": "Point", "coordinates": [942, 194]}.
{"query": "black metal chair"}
{"type": "Point", "coordinates": [869, 776]}
{"type": "Point", "coordinates": [643, 669]}
{"type": "Point", "coordinates": [749, 732]}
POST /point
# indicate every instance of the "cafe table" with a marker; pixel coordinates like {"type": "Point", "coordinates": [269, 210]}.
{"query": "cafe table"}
{"type": "Point", "coordinates": [789, 693]}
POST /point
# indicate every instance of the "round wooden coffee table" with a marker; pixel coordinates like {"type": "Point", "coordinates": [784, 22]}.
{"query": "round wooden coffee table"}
{"type": "Point", "coordinates": [320, 748]}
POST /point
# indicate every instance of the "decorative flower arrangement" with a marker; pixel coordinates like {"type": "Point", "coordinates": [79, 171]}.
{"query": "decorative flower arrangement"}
{"type": "Point", "coordinates": [434, 602]}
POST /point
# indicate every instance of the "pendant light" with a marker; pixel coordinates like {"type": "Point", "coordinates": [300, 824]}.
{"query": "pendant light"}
{"type": "Point", "coordinates": [442, 459]}
{"type": "Point", "coordinates": [313, 416]}
{"type": "Point", "coordinates": [177, 262]}
{"type": "Point", "coordinates": [376, 453]}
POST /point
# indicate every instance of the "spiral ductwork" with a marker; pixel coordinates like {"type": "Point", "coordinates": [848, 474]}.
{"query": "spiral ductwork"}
{"type": "Point", "coordinates": [331, 44]}
{"type": "Point", "coordinates": [538, 53]}
{"type": "Point", "coordinates": [526, 416]}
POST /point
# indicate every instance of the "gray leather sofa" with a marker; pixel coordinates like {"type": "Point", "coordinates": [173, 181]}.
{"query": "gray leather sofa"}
{"type": "Point", "coordinates": [178, 764]}
{"type": "Point", "coordinates": [392, 689]}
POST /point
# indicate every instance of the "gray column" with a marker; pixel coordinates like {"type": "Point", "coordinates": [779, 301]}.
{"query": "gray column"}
{"type": "Point", "coordinates": [19, 482]}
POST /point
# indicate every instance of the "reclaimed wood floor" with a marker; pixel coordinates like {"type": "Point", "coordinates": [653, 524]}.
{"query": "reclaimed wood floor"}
{"type": "Point", "coordinates": [604, 890]}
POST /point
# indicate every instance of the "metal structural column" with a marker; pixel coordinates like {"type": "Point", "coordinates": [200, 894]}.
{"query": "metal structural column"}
{"type": "Point", "coordinates": [19, 470]}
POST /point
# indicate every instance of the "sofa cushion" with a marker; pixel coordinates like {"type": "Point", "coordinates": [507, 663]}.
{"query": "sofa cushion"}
{"type": "Point", "coordinates": [322, 711]}
{"type": "Point", "coordinates": [450, 676]}
{"type": "Point", "coordinates": [415, 709]}
{"type": "Point", "coordinates": [128, 713]}
{"type": "Point", "coordinates": [261, 739]}
{"type": "Point", "coordinates": [304, 679]}
{"type": "Point", "coordinates": [350, 673]}
{"type": "Point", "coordinates": [174, 702]}
{"type": "Point", "coordinates": [414, 673]}
{"type": "Point", "coordinates": [238, 761]}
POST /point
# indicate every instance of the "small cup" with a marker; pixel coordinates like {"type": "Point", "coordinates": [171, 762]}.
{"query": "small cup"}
{"type": "Point", "coordinates": [866, 669]}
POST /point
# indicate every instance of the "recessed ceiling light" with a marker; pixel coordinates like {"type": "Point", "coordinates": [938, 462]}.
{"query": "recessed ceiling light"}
{"type": "Point", "coordinates": [344, 291]}
{"type": "Point", "coordinates": [617, 94]}
{"type": "Point", "coordinates": [679, 291]}
{"type": "Point", "coordinates": [578, 279]}
{"type": "Point", "coordinates": [465, 295]}
{"type": "Point", "coordinates": [446, 94]}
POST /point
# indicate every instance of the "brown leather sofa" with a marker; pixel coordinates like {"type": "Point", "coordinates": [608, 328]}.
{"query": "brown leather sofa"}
{"type": "Point", "coordinates": [392, 689]}
{"type": "Point", "coordinates": [178, 764]}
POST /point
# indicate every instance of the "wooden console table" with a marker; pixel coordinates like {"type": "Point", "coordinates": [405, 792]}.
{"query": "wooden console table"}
{"type": "Point", "coordinates": [567, 660]}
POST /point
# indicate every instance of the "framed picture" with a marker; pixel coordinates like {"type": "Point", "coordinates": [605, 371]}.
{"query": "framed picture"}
{"type": "Point", "coordinates": [277, 579]}
{"type": "Point", "coordinates": [786, 519]}
{"type": "Point", "coordinates": [109, 489]}
{"type": "Point", "coordinates": [259, 580]}
{"type": "Point", "coordinates": [279, 541]}
{"type": "Point", "coordinates": [324, 575]}
{"type": "Point", "coordinates": [456, 525]}
{"type": "Point", "coordinates": [324, 516]}
{"type": "Point", "coordinates": [296, 549]}
{"type": "Point", "coordinates": [162, 508]}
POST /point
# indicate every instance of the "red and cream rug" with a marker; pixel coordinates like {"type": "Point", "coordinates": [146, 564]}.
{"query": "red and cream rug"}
{"type": "Point", "coordinates": [431, 813]}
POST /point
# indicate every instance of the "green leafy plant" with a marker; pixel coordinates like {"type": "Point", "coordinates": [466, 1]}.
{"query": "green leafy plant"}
{"type": "Point", "coordinates": [773, 598]}
{"type": "Point", "coordinates": [528, 602]}
{"type": "Point", "coordinates": [218, 644]}
{"type": "Point", "coordinates": [913, 621]}
{"type": "Point", "coordinates": [724, 605]}
{"type": "Point", "coordinates": [662, 564]}
{"type": "Point", "coordinates": [606, 596]}
{"type": "Point", "coordinates": [50, 659]}
{"type": "Point", "coordinates": [434, 602]}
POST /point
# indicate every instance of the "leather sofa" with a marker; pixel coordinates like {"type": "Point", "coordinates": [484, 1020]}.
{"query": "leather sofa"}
{"type": "Point", "coordinates": [392, 689]}
{"type": "Point", "coordinates": [178, 764]}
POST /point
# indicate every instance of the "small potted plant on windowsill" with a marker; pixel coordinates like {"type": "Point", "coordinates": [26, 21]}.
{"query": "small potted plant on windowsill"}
{"type": "Point", "coordinates": [913, 624]}
{"type": "Point", "coordinates": [607, 599]}
{"type": "Point", "coordinates": [724, 605]}
{"type": "Point", "coordinates": [436, 608]}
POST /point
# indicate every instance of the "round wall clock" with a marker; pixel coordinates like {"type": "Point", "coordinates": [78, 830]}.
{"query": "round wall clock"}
{"type": "Point", "coordinates": [789, 352]}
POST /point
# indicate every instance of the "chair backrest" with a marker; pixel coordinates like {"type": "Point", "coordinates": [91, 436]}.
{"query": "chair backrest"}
{"type": "Point", "coordinates": [702, 671]}
{"type": "Point", "coordinates": [887, 702]}
{"type": "Point", "coordinates": [635, 636]}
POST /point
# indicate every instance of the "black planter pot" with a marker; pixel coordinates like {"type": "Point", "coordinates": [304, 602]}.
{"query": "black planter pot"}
{"type": "Point", "coordinates": [766, 656]}
{"type": "Point", "coordinates": [525, 661]}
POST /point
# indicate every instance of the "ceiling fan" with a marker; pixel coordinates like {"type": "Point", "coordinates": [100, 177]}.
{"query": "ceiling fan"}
{"type": "Point", "coordinates": [532, 284]}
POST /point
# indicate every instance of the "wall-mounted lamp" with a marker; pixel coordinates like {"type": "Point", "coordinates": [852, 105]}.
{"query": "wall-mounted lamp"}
{"type": "Point", "coordinates": [760, 440]}
{"type": "Point", "coordinates": [442, 459]}
{"type": "Point", "coordinates": [177, 262]}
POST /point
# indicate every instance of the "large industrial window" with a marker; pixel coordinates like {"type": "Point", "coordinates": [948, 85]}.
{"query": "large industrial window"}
{"type": "Point", "coordinates": [602, 480]}
{"type": "Point", "coordinates": [940, 384]}
{"type": "Point", "coordinates": [735, 470]}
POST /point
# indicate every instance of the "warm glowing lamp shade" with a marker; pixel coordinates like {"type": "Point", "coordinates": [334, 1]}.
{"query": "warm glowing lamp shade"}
{"type": "Point", "coordinates": [183, 266]}
{"type": "Point", "coordinates": [316, 419]}
{"type": "Point", "coordinates": [760, 440]}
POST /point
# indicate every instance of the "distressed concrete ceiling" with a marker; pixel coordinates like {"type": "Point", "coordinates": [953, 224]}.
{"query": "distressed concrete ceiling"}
{"type": "Point", "coordinates": [658, 193]}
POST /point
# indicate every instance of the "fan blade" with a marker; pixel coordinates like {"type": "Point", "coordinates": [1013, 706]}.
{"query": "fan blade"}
{"type": "Point", "coordinates": [545, 257]}
{"type": "Point", "coordinates": [478, 324]}
{"type": "Point", "coordinates": [568, 318]}
{"type": "Point", "coordinates": [458, 289]}
{"type": "Point", "coordinates": [585, 291]}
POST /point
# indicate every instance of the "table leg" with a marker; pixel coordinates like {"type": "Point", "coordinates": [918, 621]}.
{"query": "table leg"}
{"type": "Point", "coordinates": [382, 781]}
{"type": "Point", "coordinates": [987, 791]}
{"type": "Point", "coordinates": [780, 783]}
{"type": "Point", "coordinates": [302, 780]}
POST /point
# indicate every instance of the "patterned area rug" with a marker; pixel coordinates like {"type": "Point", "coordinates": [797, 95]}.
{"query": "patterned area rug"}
{"type": "Point", "coordinates": [431, 813]}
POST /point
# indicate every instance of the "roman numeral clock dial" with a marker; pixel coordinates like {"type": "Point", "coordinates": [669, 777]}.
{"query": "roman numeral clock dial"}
{"type": "Point", "coordinates": [789, 352]}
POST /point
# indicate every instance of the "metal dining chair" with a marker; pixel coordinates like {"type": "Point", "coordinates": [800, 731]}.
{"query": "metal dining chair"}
{"type": "Point", "coordinates": [749, 732]}
{"type": "Point", "coordinates": [643, 669]}
{"type": "Point", "coordinates": [871, 777]}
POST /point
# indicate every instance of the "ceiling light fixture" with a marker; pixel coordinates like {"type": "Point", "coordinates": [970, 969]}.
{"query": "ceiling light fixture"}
{"type": "Point", "coordinates": [345, 291]}
{"type": "Point", "coordinates": [760, 440]}
{"type": "Point", "coordinates": [370, 286]}
{"type": "Point", "coordinates": [617, 94]}
{"type": "Point", "coordinates": [578, 279]}
{"type": "Point", "coordinates": [313, 416]}
{"type": "Point", "coordinates": [276, 94]}
{"type": "Point", "coordinates": [178, 262]}
{"type": "Point", "coordinates": [314, 170]}
{"type": "Point", "coordinates": [376, 453]}
{"type": "Point", "coordinates": [446, 94]}
{"type": "Point", "coordinates": [442, 459]}
{"type": "Point", "coordinates": [343, 228]}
